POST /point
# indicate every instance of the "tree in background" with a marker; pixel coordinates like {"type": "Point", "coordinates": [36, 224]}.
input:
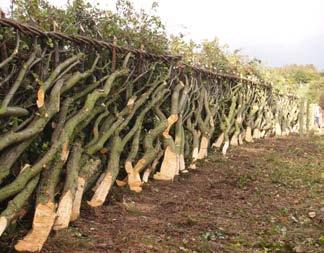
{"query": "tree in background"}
{"type": "Point", "coordinates": [297, 78]}
{"type": "Point", "coordinates": [321, 100]}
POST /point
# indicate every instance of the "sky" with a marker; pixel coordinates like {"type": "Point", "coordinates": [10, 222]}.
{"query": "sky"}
{"type": "Point", "coordinates": [278, 32]}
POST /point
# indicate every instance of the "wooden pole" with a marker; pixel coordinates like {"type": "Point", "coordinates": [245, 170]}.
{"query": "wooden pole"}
{"type": "Point", "coordinates": [302, 117]}
{"type": "Point", "coordinates": [308, 116]}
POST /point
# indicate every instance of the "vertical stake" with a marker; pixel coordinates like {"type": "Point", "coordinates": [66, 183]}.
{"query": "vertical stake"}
{"type": "Point", "coordinates": [302, 117]}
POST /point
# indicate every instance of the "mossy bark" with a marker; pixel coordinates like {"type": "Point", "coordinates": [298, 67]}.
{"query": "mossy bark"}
{"type": "Point", "coordinates": [65, 204]}
{"type": "Point", "coordinates": [16, 205]}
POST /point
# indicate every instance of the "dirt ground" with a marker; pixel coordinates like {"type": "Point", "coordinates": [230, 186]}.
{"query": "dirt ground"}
{"type": "Point", "coordinates": [264, 197]}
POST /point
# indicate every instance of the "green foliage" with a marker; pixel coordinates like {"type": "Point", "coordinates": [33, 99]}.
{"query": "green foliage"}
{"type": "Point", "coordinates": [314, 89]}
{"type": "Point", "coordinates": [305, 80]}
{"type": "Point", "coordinates": [321, 240]}
{"type": "Point", "coordinates": [299, 73]}
{"type": "Point", "coordinates": [139, 29]}
{"type": "Point", "coordinates": [179, 46]}
{"type": "Point", "coordinates": [130, 27]}
{"type": "Point", "coordinates": [212, 55]}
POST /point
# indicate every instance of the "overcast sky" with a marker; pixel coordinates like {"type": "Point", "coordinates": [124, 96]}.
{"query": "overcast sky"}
{"type": "Point", "coordinates": [278, 32]}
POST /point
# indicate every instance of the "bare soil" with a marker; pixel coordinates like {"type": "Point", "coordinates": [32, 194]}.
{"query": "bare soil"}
{"type": "Point", "coordinates": [264, 197]}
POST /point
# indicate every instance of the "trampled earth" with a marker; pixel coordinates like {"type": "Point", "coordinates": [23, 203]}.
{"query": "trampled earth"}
{"type": "Point", "coordinates": [264, 197]}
